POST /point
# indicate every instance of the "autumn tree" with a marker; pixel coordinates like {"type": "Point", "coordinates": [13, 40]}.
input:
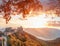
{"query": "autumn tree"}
{"type": "Point", "coordinates": [11, 7]}
{"type": "Point", "coordinates": [58, 9]}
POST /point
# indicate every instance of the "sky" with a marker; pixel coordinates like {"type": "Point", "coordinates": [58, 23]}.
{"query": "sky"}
{"type": "Point", "coordinates": [15, 21]}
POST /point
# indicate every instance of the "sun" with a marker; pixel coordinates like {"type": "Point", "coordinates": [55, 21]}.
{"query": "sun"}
{"type": "Point", "coordinates": [37, 21]}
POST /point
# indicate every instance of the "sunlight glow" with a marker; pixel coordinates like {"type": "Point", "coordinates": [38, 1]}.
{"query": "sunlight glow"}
{"type": "Point", "coordinates": [38, 21]}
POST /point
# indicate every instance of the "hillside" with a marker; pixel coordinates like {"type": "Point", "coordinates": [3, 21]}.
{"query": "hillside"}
{"type": "Point", "coordinates": [21, 38]}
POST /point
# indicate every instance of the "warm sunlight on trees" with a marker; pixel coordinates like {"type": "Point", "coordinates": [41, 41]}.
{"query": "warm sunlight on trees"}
{"type": "Point", "coordinates": [54, 6]}
{"type": "Point", "coordinates": [12, 7]}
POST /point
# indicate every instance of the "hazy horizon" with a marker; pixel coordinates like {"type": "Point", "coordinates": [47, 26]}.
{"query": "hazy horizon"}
{"type": "Point", "coordinates": [42, 33]}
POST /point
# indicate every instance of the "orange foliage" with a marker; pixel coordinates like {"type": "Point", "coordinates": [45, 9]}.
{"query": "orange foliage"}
{"type": "Point", "coordinates": [20, 6]}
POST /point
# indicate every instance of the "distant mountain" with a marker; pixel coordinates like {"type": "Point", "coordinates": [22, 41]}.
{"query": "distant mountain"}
{"type": "Point", "coordinates": [22, 38]}
{"type": "Point", "coordinates": [44, 33]}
